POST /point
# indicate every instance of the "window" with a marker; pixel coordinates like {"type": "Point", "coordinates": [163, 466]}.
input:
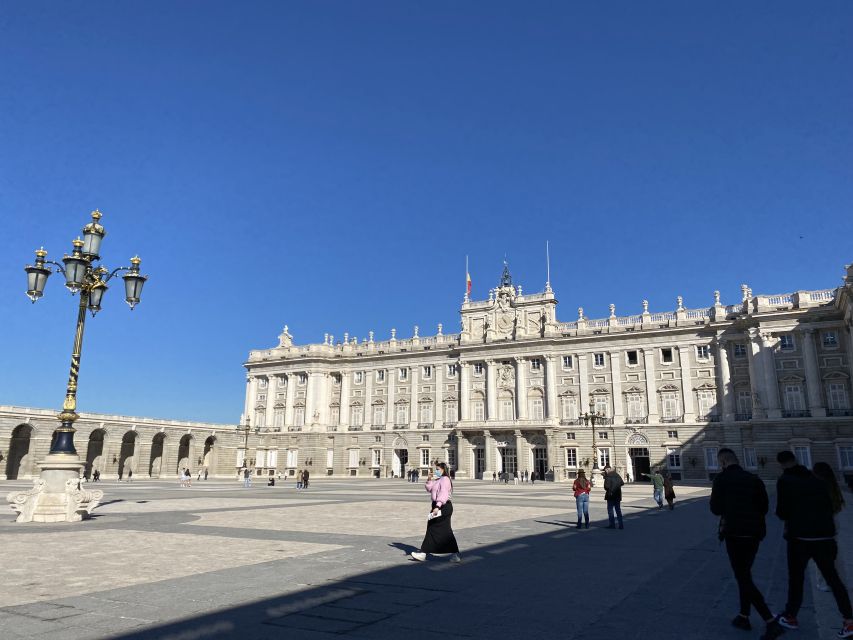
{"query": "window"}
{"type": "Point", "coordinates": [425, 412]}
{"type": "Point", "coordinates": [632, 358]}
{"type": "Point", "coordinates": [507, 412]}
{"type": "Point", "coordinates": [278, 418]}
{"type": "Point", "coordinates": [260, 418]}
{"type": "Point", "coordinates": [478, 408]}
{"type": "Point", "coordinates": [845, 457]}
{"type": "Point", "coordinates": [672, 435]}
{"type": "Point", "coordinates": [703, 352]}
{"type": "Point", "coordinates": [603, 435]}
{"type": "Point", "coordinates": [793, 397]}
{"type": "Point", "coordinates": [707, 402]}
{"type": "Point", "coordinates": [478, 368]}
{"type": "Point", "coordinates": [536, 364]}
{"type": "Point", "coordinates": [359, 377]}
{"type": "Point", "coordinates": [262, 397]}
{"type": "Point", "coordinates": [635, 405]}
{"type": "Point", "coordinates": [537, 409]}
{"type": "Point", "coordinates": [427, 372]}
{"type": "Point", "coordinates": [740, 350]}
{"type": "Point", "coordinates": [377, 438]}
{"type": "Point", "coordinates": [804, 456]}
{"type": "Point", "coordinates": [669, 403]}
{"type": "Point", "coordinates": [598, 360]}
{"type": "Point", "coordinates": [603, 457]}
{"type": "Point", "coordinates": [569, 407]}
{"type": "Point", "coordinates": [786, 342]}
{"type": "Point", "coordinates": [353, 458]}
{"type": "Point", "coordinates": [425, 438]}
{"type": "Point", "coordinates": [451, 458]}
{"type": "Point", "coordinates": [334, 415]}
{"type": "Point", "coordinates": [830, 339]}
{"type": "Point", "coordinates": [377, 457]}
{"type": "Point", "coordinates": [262, 383]}
{"type": "Point", "coordinates": [330, 458]}
{"type": "Point", "coordinates": [567, 362]}
{"type": "Point", "coordinates": [379, 414]}
{"type": "Point", "coordinates": [425, 458]}
{"type": "Point", "coordinates": [292, 457]}
{"type": "Point", "coordinates": [380, 375]}
{"type": "Point", "coordinates": [403, 374]}
{"type": "Point", "coordinates": [837, 394]}
{"type": "Point", "coordinates": [600, 405]}
{"type": "Point", "coordinates": [299, 416]}
{"type": "Point", "coordinates": [744, 402]}
{"type": "Point", "coordinates": [357, 413]}
{"type": "Point", "coordinates": [673, 458]}
{"type": "Point", "coordinates": [570, 435]}
{"type": "Point", "coordinates": [711, 462]}
{"type": "Point", "coordinates": [451, 371]}
{"type": "Point", "coordinates": [402, 414]}
{"type": "Point", "coordinates": [302, 379]}
{"type": "Point", "coordinates": [666, 355]}
{"type": "Point", "coordinates": [750, 460]}
{"type": "Point", "coordinates": [571, 457]}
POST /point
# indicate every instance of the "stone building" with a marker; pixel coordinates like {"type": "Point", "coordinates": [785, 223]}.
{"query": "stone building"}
{"type": "Point", "coordinates": [115, 444]}
{"type": "Point", "coordinates": [509, 392]}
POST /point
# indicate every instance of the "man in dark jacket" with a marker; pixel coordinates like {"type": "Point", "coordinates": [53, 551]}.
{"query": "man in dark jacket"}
{"type": "Point", "coordinates": [740, 499]}
{"type": "Point", "coordinates": [804, 504]}
{"type": "Point", "coordinates": [613, 495]}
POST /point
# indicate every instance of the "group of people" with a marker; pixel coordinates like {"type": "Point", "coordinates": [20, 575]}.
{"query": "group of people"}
{"type": "Point", "coordinates": [807, 502]}
{"type": "Point", "coordinates": [524, 476]}
{"type": "Point", "coordinates": [302, 479]}
{"type": "Point", "coordinates": [185, 478]}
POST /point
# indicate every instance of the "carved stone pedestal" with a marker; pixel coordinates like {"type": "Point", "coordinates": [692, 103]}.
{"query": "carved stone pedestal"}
{"type": "Point", "coordinates": [596, 478]}
{"type": "Point", "coordinates": [56, 495]}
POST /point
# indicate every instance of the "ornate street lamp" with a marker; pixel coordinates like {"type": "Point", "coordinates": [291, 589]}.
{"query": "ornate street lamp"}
{"type": "Point", "coordinates": [592, 419]}
{"type": "Point", "coordinates": [84, 276]}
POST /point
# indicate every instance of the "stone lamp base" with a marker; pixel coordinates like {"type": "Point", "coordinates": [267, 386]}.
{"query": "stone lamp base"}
{"type": "Point", "coordinates": [56, 495]}
{"type": "Point", "coordinates": [596, 477]}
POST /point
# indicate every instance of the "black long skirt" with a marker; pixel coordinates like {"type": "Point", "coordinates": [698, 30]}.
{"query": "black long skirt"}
{"type": "Point", "coordinates": [439, 536]}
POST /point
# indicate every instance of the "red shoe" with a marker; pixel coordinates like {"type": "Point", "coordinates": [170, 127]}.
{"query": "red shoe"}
{"type": "Point", "coordinates": [789, 622]}
{"type": "Point", "coordinates": [846, 630]}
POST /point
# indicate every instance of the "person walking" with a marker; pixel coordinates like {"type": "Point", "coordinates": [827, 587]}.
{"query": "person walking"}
{"type": "Point", "coordinates": [439, 536]}
{"type": "Point", "coordinates": [657, 487]}
{"type": "Point", "coordinates": [532, 477]}
{"type": "Point", "coordinates": [613, 496]}
{"type": "Point", "coordinates": [247, 477]}
{"type": "Point", "coordinates": [804, 505]}
{"type": "Point", "coordinates": [515, 478]}
{"type": "Point", "coordinates": [581, 488]}
{"type": "Point", "coordinates": [494, 476]}
{"type": "Point", "coordinates": [739, 498]}
{"type": "Point", "coordinates": [299, 479]}
{"type": "Point", "coordinates": [669, 490]}
{"type": "Point", "coordinates": [823, 471]}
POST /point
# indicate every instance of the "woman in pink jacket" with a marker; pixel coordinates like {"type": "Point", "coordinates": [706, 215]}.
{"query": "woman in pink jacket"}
{"type": "Point", "coordinates": [439, 536]}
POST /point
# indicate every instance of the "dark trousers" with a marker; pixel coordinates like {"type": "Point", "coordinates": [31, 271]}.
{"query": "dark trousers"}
{"type": "Point", "coordinates": [823, 553]}
{"type": "Point", "coordinates": [741, 556]}
{"type": "Point", "coordinates": [614, 512]}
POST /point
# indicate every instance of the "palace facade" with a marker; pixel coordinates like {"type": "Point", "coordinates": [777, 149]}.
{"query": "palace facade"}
{"type": "Point", "coordinates": [513, 391]}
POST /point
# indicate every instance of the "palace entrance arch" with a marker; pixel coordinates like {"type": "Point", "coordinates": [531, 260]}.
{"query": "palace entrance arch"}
{"type": "Point", "coordinates": [637, 458]}
{"type": "Point", "coordinates": [19, 462]}
{"type": "Point", "coordinates": [401, 457]}
{"type": "Point", "coordinates": [127, 454]}
{"type": "Point", "coordinates": [95, 452]}
{"type": "Point", "coordinates": [155, 461]}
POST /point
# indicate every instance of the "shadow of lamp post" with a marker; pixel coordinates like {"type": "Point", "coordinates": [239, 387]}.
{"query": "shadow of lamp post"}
{"type": "Point", "coordinates": [56, 495]}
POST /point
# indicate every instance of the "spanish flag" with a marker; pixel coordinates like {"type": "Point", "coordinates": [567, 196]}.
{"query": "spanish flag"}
{"type": "Point", "coordinates": [467, 277]}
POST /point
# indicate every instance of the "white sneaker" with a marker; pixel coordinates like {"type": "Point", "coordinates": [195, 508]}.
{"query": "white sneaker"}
{"type": "Point", "coordinates": [456, 558]}
{"type": "Point", "coordinates": [418, 555]}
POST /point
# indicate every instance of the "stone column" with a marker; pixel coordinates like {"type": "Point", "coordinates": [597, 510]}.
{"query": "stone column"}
{"type": "Point", "coordinates": [463, 456]}
{"type": "Point", "coordinates": [390, 408]}
{"type": "Point", "coordinates": [368, 400]}
{"type": "Point", "coordinates": [524, 457]}
{"type": "Point", "coordinates": [438, 407]}
{"type": "Point", "coordinates": [521, 387]}
{"type": "Point", "coordinates": [491, 391]}
{"type": "Point", "coordinates": [310, 385]}
{"type": "Point", "coordinates": [464, 391]}
{"type": "Point", "coordinates": [270, 410]}
{"type": "Point", "coordinates": [616, 374]}
{"type": "Point", "coordinates": [651, 383]}
{"type": "Point", "coordinates": [346, 380]}
{"type": "Point", "coordinates": [289, 400]}
{"type": "Point", "coordinates": [813, 384]}
{"type": "Point", "coordinates": [414, 405]}
{"type": "Point", "coordinates": [583, 374]}
{"type": "Point", "coordinates": [247, 410]}
{"type": "Point", "coordinates": [551, 387]}
{"type": "Point", "coordinates": [771, 384]}
{"type": "Point", "coordinates": [850, 347]}
{"type": "Point", "coordinates": [489, 452]}
{"type": "Point", "coordinates": [724, 380]}
{"type": "Point", "coordinates": [756, 375]}
{"type": "Point", "coordinates": [686, 383]}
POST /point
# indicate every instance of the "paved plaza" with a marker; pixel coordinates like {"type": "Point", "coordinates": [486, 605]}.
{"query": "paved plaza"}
{"type": "Point", "coordinates": [219, 561]}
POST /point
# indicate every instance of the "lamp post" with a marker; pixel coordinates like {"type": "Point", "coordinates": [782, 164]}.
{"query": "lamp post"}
{"type": "Point", "coordinates": [60, 470]}
{"type": "Point", "coordinates": [591, 419]}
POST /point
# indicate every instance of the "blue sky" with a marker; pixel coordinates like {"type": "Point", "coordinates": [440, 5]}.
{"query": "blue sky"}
{"type": "Point", "coordinates": [328, 165]}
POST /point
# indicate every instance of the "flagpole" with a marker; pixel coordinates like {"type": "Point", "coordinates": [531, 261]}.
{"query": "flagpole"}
{"type": "Point", "coordinates": [548, 266]}
{"type": "Point", "coordinates": [466, 279]}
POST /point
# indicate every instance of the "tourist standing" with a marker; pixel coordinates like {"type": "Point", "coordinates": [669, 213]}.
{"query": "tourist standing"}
{"type": "Point", "coordinates": [188, 477]}
{"type": "Point", "coordinates": [515, 477]}
{"type": "Point", "coordinates": [805, 506]}
{"type": "Point", "coordinates": [740, 499]}
{"type": "Point", "coordinates": [657, 487]}
{"type": "Point", "coordinates": [581, 488]}
{"type": "Point", "coordinates": [494, 476]}
{"type": "Point", "coordinates": [823, 471]}
{"type": "Point", "coordinates": [305, 476]}
{"type": "Point", "coordinates": [299, 479]}
{"type": "Point", "coordinates": [439, 536]}
{"type": "Point", "coordinates": [247, 477]}
{"type": "Point", "coordinates": [613, 496]}
{"type": "Point", "coordinates": [205, 473]}
{"type": "Point", "coordinates": [130, 475]}
{"type": "Point", "coordinates": [532, 477]}
{"type": "Point", "coordinates": [669, 490]}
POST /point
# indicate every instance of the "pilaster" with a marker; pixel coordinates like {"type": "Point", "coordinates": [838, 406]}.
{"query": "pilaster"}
{"type": "Point", "coordinates": [551, 387]}
{"type": "Point", "coordinates": [686, 383]}
{"type": "Point", "coordinates": [651, 384]}
{"type": "Point", "coordinates": [346, 381]}
{"type": "Point", "coordinates": [583, 374]}
{"type": "Point", "coordinates": [438, 407]}
{"type": "Point", "coordinates": [756, 375]}
{"type": "Point", "coordinates": [616, 373]}
{"type": "Point", "coordinates": [813, 383]}
{"type": "Point", "coordinates": [489, 453]}
{"type": "Point", "coordinates": [491, 391]}
{"type": "Point", "coordinates": [771, 384]}
{"type": "Point", "coordinates": [521, 387]}
{"type": "Point", "coordinates": [724, 380]}
{"type": "Point", "coordinates": [414, 404]}
{"type": "Point", "coordinates": [391, 408]}
{"type": "Point", "coordinates": [289, 400]}
{"type": "Point", "coordinates": [368, 399]}
{"type": "Point", "coordinates": [464, 391]}
{"type": "Point", "coordinates": [270, 408]}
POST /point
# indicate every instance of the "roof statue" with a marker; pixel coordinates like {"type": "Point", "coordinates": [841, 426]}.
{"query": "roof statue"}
{"type": "Point", "coordinates": [506, 279]}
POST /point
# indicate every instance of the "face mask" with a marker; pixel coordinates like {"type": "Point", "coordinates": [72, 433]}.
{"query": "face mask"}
{"type": "Point", "coordinates": [437, 473]}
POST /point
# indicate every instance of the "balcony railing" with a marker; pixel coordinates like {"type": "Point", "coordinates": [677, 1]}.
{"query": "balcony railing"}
{"type": "Point", "coordinates": [377, 427]}
{"type": "Point", "coordinates": [837, 413]}
{"type": "Point", "coordinates": [402, 426]}
{"type": "Point", "coordinates": [294, 429]}
{"type": "Point", "coordinates": [637, 420]}
{"type": "Point", "coordinates": [798, 413]}
{"type": "Point", "coordinates": [671, 419]}
{"type": "Point", "coordinates": [743, 417]}
{"type": "Point", "coordinates": [355, 428]}
{"type": "Point", "coordinates": [571, 421]}
{"type": "Point", "coordinates": [425, 425]}
{"type": "Point", "coordinates": [450, 424]}
{"type": "Point", "coordinates": [710, 417]}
